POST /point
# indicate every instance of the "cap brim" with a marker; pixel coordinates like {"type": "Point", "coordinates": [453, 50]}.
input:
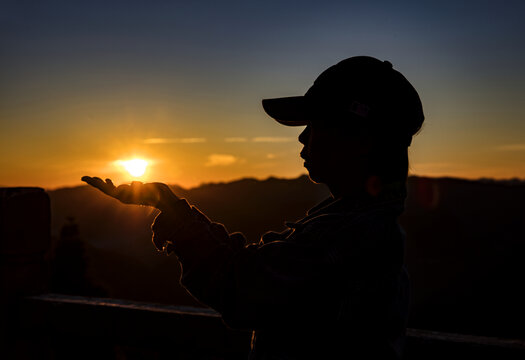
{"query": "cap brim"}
{"type": "Point", "coordinates": [290, 111]}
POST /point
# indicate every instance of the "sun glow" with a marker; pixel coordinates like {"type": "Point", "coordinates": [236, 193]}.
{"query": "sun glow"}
{"type": "Point", "coordinates": [135, 167]}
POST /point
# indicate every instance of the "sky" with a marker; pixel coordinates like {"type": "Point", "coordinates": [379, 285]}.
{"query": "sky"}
{"type": "Point", "coordinates": [85, 85]}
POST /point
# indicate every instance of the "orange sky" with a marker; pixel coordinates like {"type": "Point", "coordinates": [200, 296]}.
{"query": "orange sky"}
{"type": "Point", "coordinates": [85, 86]}
{"type": "Point", "coordinates": [61, 157]}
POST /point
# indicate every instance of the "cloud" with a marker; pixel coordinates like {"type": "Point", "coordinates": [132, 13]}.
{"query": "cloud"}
{"type": "Point", "coordinates": [511, 147]}
{"type": "Point", "coordinates": [221, 160]}
{"type": "Point", "coordinates": [271, 156]}
{"type": "Point", "coordinates": [154, 141]}
{"type": "Point", "coordinates": [273, 139]}
{"type": "Point", "coordinates": [236, 139]}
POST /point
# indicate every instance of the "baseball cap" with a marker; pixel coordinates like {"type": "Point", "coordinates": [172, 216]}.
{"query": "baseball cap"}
{"type": "Point", "coordinates": [360, 90]}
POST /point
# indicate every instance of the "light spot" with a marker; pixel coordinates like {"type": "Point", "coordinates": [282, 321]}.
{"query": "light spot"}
{"type": "Point", "coordinates": [135, 167]}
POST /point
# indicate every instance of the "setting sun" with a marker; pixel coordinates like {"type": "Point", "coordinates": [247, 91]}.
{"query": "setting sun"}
{"type": "Point", "coordinates": [135, 167]}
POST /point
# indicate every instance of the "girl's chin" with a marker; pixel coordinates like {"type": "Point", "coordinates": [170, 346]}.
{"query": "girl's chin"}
{"type": "Point", "coordinates": [314, 176]}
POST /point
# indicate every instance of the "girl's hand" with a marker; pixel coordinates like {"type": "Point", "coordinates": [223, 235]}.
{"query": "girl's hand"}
{"type": "Point", "coordinates": [155, 194]}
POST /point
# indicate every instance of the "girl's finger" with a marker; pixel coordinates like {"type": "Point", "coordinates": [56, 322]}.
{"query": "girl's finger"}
{"type": "Point", "coordinates": [166, 195]}
{"type": "Point", "coordinates": [99, 184]}
{"type": "Point", "coordinates": [150, 195]}
{"type": "Point", "coordinates": [124, 193]}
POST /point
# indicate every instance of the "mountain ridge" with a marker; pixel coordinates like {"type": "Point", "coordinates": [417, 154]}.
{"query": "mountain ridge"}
{"type": "Point", "coordinates": [504, 181]}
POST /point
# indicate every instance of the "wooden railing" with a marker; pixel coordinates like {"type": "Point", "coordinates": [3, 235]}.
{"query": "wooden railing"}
{"type": "Point", "coordinates": [53, 326]}
{"type": "Point", "coordinates": [35, 324]}
{"type": "Point", "coordinates": [121, 329]}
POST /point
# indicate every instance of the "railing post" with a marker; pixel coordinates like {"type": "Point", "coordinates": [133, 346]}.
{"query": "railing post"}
{"type": "Point", "coordinates": [25, 238]}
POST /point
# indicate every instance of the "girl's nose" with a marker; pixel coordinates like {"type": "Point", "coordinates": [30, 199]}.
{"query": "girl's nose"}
{"type": "Point", "coordinates": [303, 137]}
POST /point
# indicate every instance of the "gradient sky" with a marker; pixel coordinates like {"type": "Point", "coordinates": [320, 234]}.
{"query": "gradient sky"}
{"type": "Point", "coordinates": [179, 83]}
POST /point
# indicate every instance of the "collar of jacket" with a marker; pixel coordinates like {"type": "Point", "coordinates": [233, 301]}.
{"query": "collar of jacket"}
{"type": "Point", "coordinates": [393, 196]}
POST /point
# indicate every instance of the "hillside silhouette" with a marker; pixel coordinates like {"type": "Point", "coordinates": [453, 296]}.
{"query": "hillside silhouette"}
{"type": "Point", "coordinates": [465, 243]}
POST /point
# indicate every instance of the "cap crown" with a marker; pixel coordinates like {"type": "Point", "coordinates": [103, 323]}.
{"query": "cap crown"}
{"type": "Point", "coordinates": [368, 89]}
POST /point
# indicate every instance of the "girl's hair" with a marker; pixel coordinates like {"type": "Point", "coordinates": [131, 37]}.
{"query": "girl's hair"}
{"type": "Point", "coordinates": [389, 156]}
{"type": "Point", "coordinates": [390, 165]}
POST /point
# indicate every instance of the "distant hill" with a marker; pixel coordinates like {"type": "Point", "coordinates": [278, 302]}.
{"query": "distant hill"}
{"type": "Point", "coordinates": [248, 205]}
{"type": "Point", "coordinates": [465, 243]}
{"type": "Point", "coordinates": [465, 251]}
{"type": "Point", "coordinates": [121, 257]}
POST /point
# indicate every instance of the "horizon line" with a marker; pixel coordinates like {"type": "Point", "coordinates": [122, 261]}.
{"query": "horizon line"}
{"type": "Point", "coordinates": [207, 183]}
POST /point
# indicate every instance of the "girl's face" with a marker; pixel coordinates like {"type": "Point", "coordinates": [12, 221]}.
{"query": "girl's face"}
{"type": "Point", "coordinates": [333, 153]}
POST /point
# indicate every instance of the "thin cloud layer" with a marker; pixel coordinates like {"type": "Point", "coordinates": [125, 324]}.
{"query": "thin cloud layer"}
{"type": "Point", "coordinates": [511, 147]}
{"type": "Point", "coordinates": [221, 160]}
{"type": "Point", "coordinates": [273, 139]}
{"type": "Point", "coordinates": [155, 141]}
